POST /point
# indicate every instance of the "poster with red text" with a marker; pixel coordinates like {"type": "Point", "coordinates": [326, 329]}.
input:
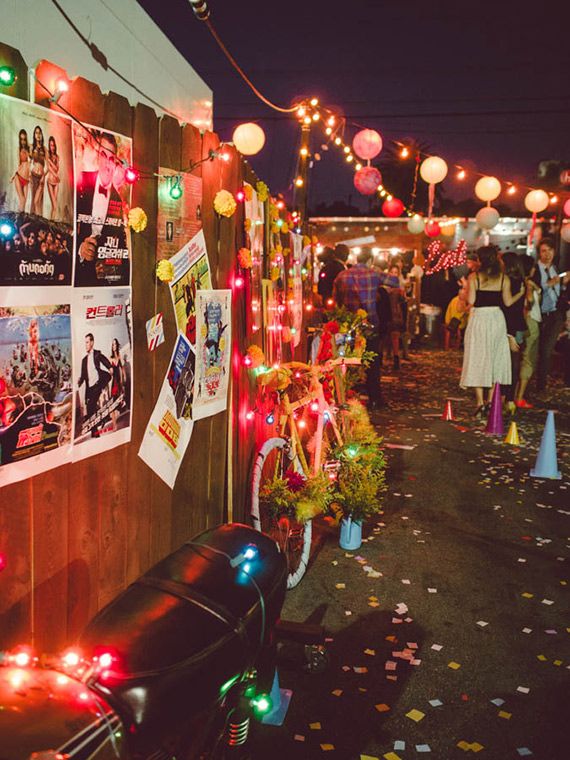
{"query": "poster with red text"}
{"type": "Point", "coordinates": [102, 370]}
{"type": "Point", "coordinates": [170, 426]}
{"type": "Point", "coordinates": [213, 351]}
{"type": "Point", "coordinates": [102, 237]}
{"type": "Point", "coordinates": [35, 388]}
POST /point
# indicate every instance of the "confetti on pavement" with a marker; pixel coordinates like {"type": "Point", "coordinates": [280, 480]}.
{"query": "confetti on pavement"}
{"type": "Point", "coordinates": [415, 715]}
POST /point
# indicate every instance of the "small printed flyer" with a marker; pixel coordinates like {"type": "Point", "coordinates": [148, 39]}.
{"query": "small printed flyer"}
{"type": "Point", "coordinates": [170, 426]}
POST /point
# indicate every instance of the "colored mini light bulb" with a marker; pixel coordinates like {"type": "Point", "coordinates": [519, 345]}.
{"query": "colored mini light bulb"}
{"type": "Point", "coordinates": [240, 196]}
{"type": "Point", "coordinates": [7, 76]}
{"type": "Point", "coordinates": [131, 175]}
{"type": "Point", "coordinates": [270, 419]}
{"type": "Point", "coordinates": [7, 229]}
{"type": "Point", "coordinates": [239, 282]}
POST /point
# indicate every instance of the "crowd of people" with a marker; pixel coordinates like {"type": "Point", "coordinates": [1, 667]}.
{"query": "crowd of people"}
{"type": "Point", "coordinates": [506, 310]}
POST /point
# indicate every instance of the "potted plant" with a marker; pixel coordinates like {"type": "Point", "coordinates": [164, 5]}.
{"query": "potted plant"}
{"type": "Point", "coordinates": [296, 496]}
{"type": "Point", "coordinates": [360, 479]}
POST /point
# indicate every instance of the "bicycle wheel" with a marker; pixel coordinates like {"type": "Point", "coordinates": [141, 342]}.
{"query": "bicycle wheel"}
{"type": "Point", "coordinates": [292, 537]}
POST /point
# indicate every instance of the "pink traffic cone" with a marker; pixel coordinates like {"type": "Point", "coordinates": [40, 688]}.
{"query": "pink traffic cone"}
{"type": "Point", "coordinates": [448, 411]}
{"type": "Point", "coordinates": [495, 421]}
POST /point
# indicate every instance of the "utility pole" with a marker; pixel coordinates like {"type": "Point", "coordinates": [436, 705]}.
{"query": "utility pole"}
{"type": "Point", "coordinates": [301, 181]}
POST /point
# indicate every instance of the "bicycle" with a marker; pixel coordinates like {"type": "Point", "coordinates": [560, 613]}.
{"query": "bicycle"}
{"type": "Point", "coordinates": [284, 457]}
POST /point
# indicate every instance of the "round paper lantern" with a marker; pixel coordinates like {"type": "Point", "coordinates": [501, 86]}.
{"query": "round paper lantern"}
{"type": "Point", "coordinates": [392, 208]}
{"type": "Point", "coordinates": [448, 229]}
{"type": "Point", "coordinates": [432, 228]}
{"type": "Point", "coordinates": [536, 201]}
{"type": "Point", "coordinates": [367, 144]}
{"type": "Point", "coordinates": [433, 170]}
{"type": "Point", "coordinates": [416, 225]}
{"type": "Point", "coordinates": [565, 233]}
{"type": "Point", "coordinates": [367, 179]}
{"type": "Point", "coordinates": [487, 217]}
{"type": "Point", "coordinates": [488, 188]}
{"type": "Point", "coordinates": [249, 138]}
{"type": "Point", "coordinates": [567, 207]}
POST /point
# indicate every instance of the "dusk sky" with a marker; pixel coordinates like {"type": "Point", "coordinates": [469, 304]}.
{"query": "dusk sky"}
{"type": "Point", "coordinates": [485, 85]}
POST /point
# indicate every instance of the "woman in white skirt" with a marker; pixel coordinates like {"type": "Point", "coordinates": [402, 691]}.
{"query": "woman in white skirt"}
{"type": "Point", "coordinates": [487, 358]}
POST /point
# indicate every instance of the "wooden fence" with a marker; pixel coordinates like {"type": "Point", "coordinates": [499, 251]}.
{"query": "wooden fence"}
{"type": "Point", "coordinates": [76, 536]}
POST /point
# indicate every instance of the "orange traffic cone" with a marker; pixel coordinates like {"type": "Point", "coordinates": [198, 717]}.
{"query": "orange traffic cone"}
{"type": "Point", "coordinates": [513, 435]}
{"type": "Point", "coordinates": [448, 411]}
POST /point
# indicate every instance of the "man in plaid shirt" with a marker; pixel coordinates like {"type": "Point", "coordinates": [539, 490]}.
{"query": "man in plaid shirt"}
{"type": "Point", "coordinates": [356, 288]}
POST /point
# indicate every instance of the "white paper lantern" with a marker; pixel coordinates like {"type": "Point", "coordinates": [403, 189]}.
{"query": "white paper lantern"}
{"type": "Point", "coordinates": [416, 225]}
{"type": "Point", "coordinates": [565, 233]}
{"type": "Point", "coordinates": [487, 217]}
{"type": "Point", "coordinates": [433, 170]}
{"type": "Point", "coordinates": [249, 138]}
{"type": "Point", "coordinates": [536, 201]}
{"type": "Point", "coordinates": [488, 188]}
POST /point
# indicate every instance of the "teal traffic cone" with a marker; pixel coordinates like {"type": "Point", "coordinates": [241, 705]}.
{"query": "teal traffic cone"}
{"type": "Point", "coordinates": [546, 465]}
{"type": "Point", "coordinates": [280, 699]}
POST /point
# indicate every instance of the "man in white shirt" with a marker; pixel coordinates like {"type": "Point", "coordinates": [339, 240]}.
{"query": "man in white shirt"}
{"type": "Point", "coordinates": [552, 317]}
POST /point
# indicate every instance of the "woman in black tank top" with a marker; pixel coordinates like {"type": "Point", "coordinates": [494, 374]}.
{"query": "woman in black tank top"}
{"type": "Point", "coordinates": [486, 360]}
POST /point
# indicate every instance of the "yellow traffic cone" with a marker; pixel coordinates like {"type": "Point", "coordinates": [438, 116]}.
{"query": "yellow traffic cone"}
{"type": "Point", "coordinates": [513, 435]}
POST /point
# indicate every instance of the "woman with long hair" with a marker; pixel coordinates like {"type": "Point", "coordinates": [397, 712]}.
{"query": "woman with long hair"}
{"type": "Point", "coordinates": [21, 178]}
{"type": "Point", "coordinates": [53, 178]}
{"type": "Point", "coordinates": [38, 171]}
{"type": "Point", "coordinates": [487, 360]}
{"type": "Point", "coordinates": [533, 318]}
{"type": "Point", "coordinates": [117, 378]}
{"type": "Point", "coordinates": [516, 325]}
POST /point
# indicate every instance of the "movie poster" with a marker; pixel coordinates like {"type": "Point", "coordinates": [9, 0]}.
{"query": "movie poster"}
{"type": "Point", "coordinates": [102, 239]}
{"type": "Point", "coordinates": [35, 389]}
{"type": "Point", "coordinates": [170, 426]}
{"type": "Point", "coordinates": [191, 273]}
{"type": "Point", "coordinates": [213, 351]}
{"type": "Point", "coordinates": [179, 219]}
{"type": "Point", "coordinates": [36, 195]}
{"type": "Point", "coordinates": [255, 231]}
{"type": "Point", "coordinates": [102, 370]}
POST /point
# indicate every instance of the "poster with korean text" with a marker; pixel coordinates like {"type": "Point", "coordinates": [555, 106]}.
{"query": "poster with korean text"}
{"type": "Point", "coordinates": [179, 219]}
{"type": "Point", "coordinates": [102, 239]}
{"type": "Point", "coordinates": [36, 195]}
{"type": "Point", "coordinates": [35, 388]}
{"type": "Point", "coordinates": [102, 370]}
{"type": "Point", "coordinates": [213, 351]}
{"type": "Point", "coordinates": [170, 426]}
{"type": "Point", "coordinates": [191, 273]}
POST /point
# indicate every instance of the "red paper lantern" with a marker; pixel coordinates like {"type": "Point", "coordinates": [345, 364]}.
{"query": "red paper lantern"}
{"type": "Point", "coordinates": [367, 144]}
{"type": "Point", "coordinates": [432, 228]}
{"type": "Point", "coordinates": [567, 207]}
{"type": "Point", "coordinates": [367, 179]}
{"type": "Point", "coordinates": [392, 208]}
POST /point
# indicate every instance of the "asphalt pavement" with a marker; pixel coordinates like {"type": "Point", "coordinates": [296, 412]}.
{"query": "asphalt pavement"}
{"type": "Point", "coordinates": [449, 630]}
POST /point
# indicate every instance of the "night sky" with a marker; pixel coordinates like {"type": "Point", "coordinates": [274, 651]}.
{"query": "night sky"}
{"type": "Point", "coordinates": [434, 71]}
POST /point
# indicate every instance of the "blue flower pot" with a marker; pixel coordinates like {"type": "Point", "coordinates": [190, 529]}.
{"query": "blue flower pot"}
{"type": "Point", "coordinates": [350, 534]}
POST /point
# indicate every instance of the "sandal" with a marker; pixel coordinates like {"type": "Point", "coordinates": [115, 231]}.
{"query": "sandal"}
{"type": "Point", "coordinates": [480, 412]}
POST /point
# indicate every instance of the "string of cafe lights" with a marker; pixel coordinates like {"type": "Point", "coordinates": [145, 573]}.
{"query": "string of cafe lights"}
{"type": "Point", "coordinates": [311, 112]}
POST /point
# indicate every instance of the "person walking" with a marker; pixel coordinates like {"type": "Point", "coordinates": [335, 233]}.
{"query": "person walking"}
{"type": "Point", "coordinates": [529, 356]}
{"type": "Point", "coordinates": [487, 359]}
{"type": "Point", "coordinates": [551, 316]}
{"type": "Point", "coordinates": [356, 288]}
{"type": "Point", "coordinates": [334, 264]}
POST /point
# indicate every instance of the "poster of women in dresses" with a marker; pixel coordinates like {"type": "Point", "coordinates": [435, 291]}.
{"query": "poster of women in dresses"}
{"type": "Point", "coordinates": [170, 426]}
{"type": "Point", "coordinates": [102, 370]}
{"type": "Point", "coordinates": [213, 351]}
{"type": "Point", "coordinates": [36, 195]}
{"type": "Point", "coordinates": [35, 390]}
{"type": "Point", "coordinates": [102, 241]}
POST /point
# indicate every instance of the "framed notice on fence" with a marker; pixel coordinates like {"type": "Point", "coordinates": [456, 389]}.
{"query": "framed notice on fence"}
{"type": "Point", "coordinates": [179, 219]}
